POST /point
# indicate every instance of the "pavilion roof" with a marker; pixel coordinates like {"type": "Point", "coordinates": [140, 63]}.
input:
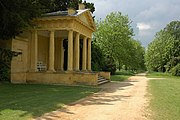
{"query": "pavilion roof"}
{"type": "Point", "coordinates": [65, 13]}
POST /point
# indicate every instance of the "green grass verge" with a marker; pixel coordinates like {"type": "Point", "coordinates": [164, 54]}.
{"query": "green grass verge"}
{"type": "Point", "coordinates": [121, 75]}
{"type": "Point", "coordinates": [165, 97]}
{"type": "Point", "coordinates": [22, 102]}
{"type": "Point", "coordinates": [158, 75]}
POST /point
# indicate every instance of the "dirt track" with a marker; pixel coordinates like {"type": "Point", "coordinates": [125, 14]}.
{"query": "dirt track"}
{"type": "Point", "coordinates": [117, 101]}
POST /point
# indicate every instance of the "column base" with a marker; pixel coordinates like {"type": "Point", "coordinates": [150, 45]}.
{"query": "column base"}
{"type": "Point", "coordinates": [84, 70]}
{"type": "Point", "coordinates": [50, 71]}
{"type": "Point", "coordinates": [69, 71]}
{"type": "Point", "coordinates": [76, 70]}
{"type": "Point", "coordinates": [89, 70]}
{"type": "Point", "coordinates": [60, 69]}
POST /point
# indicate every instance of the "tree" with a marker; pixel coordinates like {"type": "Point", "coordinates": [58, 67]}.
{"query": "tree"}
{"type": "Point", "coordinates": [159, 51]}
{"type": "Point", "coordinates": [6, 56]}
{"type": "Point", "coordinates": [136, 56]}
{"type": "Point", "coordinates": [17, 15]}
{"type": "Point", "coordinates": [173, 28]}
{"type": "Point", "coordinates": [113, 33]}
{"type": "Point", "coordinates": [98, 60]}
{"type": "Point", "coordinates": [163, 52]}
{"type": "Point", "coordinates": [114, 37]}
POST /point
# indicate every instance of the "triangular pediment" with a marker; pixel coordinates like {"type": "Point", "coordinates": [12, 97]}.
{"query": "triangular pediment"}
{"type": "Point", "coordinates": [86, 18]}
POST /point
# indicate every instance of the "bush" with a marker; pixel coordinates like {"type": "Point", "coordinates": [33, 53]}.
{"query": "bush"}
{"type": "Point", "coordinates": [101, 62]}
{"type": "Point", "coordinates": [4, 72]}
{"type": "Point", "coordinates": [5, 61]}
{"type": "Point", "coordinates": [176, 70]}
{"type": "Point", "coordinates": [110, 66]}
{"type": "Point", "coordinates": [98, 59]}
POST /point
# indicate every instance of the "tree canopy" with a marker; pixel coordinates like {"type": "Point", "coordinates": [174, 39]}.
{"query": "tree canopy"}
{"type": "Point", "coordinates": [16, 15]}
{"type": "Point", "coordinates": [114, 37]}
{"type": "Point", "coordinates": [163, 52]}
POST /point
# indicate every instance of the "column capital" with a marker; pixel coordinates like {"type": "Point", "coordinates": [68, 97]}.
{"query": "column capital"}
{"type": "Point", "coordinates": [84, 38]}
{"type": "Point", "coordinates": [51, 30]}
{"type": "Point", "coordinates": [33, 30]}
{"type": "Point", "coordinates": [77, 33]}
{"type": "Point", "coordinates": [90, 39]}
{"type": "Point", "coordinates": [70, 30]}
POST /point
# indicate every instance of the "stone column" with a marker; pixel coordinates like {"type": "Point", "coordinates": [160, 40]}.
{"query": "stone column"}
{"type": "Point", "coordinates": [89, 55]}
{"type": "Point", "coordinates": [70, 51]}
{"type": "Point", "coordinates": [84, 58]}
{"type": "Point", "coordinates": [76, 53]}
{"type": "Point", "coordinates": [34, 51]}
{"type": "Point", "coordinates": [51, 52]}
{"type": "Point", "coordinates": [62, 56]}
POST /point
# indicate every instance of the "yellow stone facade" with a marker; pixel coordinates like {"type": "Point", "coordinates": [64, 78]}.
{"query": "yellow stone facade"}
{"type": "Point", "coordinates": [57, 50]}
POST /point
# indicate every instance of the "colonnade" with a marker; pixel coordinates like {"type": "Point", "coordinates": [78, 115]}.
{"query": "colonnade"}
{"type": "Point", "coordinates": [73, 60]}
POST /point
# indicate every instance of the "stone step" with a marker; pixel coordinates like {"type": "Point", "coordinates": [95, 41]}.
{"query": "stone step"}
{"type": "Point", "coordinates": [102, 80]}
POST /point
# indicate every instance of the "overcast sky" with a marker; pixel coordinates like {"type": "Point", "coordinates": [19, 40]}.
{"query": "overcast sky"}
{"type": "Point", "coordinates": [148, 16]}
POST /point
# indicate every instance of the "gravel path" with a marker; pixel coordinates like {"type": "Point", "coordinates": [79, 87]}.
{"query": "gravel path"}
{"type": "Point", "coordinates": [117, 101]}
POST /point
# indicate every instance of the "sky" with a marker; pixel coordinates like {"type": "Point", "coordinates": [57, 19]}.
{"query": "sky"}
{"type": "Point", "coordinates": [148, 16]}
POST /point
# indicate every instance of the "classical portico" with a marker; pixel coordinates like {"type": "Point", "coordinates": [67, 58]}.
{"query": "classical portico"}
{"type": "Point", "coordinates": [74, 27]}
{"type": "Point", "coordinates": [58, 50]}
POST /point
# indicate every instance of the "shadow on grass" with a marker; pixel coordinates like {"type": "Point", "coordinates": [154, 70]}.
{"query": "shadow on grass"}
{"type": "Point", "coordinates": [26, 101]}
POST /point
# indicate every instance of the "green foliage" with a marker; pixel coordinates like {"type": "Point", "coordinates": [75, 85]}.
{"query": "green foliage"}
{"type": "Point", "coordinates": [114, 38]}
{"type": "Point", "coordinates": [176, 70]}
{"type": "Point", "coordinates": [121, 75]}
{"type": "Point", "coordinates": [159, 52]}
{"type": "Point", "coordinates": [110, 65]}
{"type": "Point", "coordinates": [5, 61]}
{"type": "Point", "coordinates": [6, 56]}
{"type": "Point", "coordinates": [163, 52]}
{"type": "Point", "coordinates": [164, 94]}
{"type": "Point", "coordinates": [158, 75]}
{"type": "Point", "coordinates": [24, 102]}
{"type": "Point", "coordinates": [4, 71]}
{"type": "Point", "coordinates": [98, 60]}
{"type": "Point", "coordinates": [16, 15]}
{"type": "Point", "coordinates": [113, 34]}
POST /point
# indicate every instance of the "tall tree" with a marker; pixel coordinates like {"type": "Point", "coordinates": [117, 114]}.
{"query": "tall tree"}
{"type": "Point", "coordinates": [164, 51]}
{"type": "Point", "coordinates": [113, 34]}
{"type": "Point", "coordinates": [114, 37]}
{"type": "Point", "coordinates": [159, 51]}
{"type": "Point", "coordinates": [16, 15]}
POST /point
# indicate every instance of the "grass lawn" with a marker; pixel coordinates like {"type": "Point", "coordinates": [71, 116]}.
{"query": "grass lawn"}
{"type": "Point", "coordinates": [158, 75]}
{"type": "Point", "coordinates": [22, 102]}
{"type": "Point", "coordinates": [121, 75]}
{"type": "Point", "coordinates": [165, 98]}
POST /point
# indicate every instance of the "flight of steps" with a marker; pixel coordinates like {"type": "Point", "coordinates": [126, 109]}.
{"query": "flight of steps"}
{"type": "Point", "coordinates": [102, 80]}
